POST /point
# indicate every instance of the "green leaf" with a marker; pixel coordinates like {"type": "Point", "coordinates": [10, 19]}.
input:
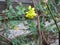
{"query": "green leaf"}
{"type": "Point", "coordinates": [57, 1]}
{"type": "Point", "coordinates": [39, 7]}
{"type": "Point", "coordinates": [18, 7]}
{"type": "Point", "coordinates": [0, 17]}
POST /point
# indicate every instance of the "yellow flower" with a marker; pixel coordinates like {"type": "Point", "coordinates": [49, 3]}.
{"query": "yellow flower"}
{"type": "Point", "coordinates": [29, 7]}
{"type": "Point", "coordinates": [56, 19]}
{"type": "Point", "coordinates": [46, 12]}
{"type": "Point", "coordinates": [45, 6]}
{"type": "Point", "coordinates": [30, 13]}
{"type": "Point", "coordinates": [16, 28]}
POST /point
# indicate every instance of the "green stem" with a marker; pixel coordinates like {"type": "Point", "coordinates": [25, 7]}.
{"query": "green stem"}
{"type": "Point", "coordinates": [52, 15]}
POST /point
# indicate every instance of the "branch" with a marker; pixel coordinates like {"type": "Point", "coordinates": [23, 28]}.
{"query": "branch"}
{"type": "Point", "coordinates": [38, 23]}
{"type": "Point", "coordinates": [7, 40]}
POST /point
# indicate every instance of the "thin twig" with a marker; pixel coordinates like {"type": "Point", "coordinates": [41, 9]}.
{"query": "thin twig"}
{"type": "Point", "coordinates": [45, 39]}
{"type": "Point", "coordinates": [5, 38]}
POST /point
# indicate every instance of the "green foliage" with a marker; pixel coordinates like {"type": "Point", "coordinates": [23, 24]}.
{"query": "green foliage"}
{"type": "Point", "coordinates": [0, 17]}
{"type": "Point", "coordinates": [32, 26]}
{"type": "Point", "coordinates": [39, 7]}
{"type": "Point", "coordinates": [52, 13]}
{"type": "Point", "coordinates": [20, 9]}
{"type": "Point", "coordinates": [14, 17]}
{"type": "Point", "coordinates": [24, 40]}
{"type": "Point", "coordinates": [11, 13]}
{"type": "Point", "coordinates": [57, 1]}
{"type": "Point", "coordinates": [14, 23]}
{"type": "Point", "coordinates": [42, 23]}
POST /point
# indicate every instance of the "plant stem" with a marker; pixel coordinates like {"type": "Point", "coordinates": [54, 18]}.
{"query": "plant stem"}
{"type": "Point", "coordinates": [52, 15]}
{"type": "Point", "coordinates": [54, 20]}
{"type": "Point", "coordinates": [38, 23]}
{"type": "Point", "coordinates": [39, 31]}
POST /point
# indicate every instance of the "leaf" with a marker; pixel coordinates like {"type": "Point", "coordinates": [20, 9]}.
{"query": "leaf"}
{"type": "Point", "coordinates": [56, 1]}
{"type": "Point", "coordinates": [39, 7]}
{"type": "Point", "coordinates": [17, 7]}
{"type": "Point", "coordinates": [0, 17]}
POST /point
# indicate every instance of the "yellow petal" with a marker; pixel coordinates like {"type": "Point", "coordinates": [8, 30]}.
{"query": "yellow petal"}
{"type": "Point", "coordinates": [31, 13]}
{"type": "Point", "coordinates": [33, 8]}
{"type": "Point", "coordinates": [26, 12]}
{"type": "Point", "coordinates": [29, 7]}
{"type": "Point", "coordinates": [26, 15]}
